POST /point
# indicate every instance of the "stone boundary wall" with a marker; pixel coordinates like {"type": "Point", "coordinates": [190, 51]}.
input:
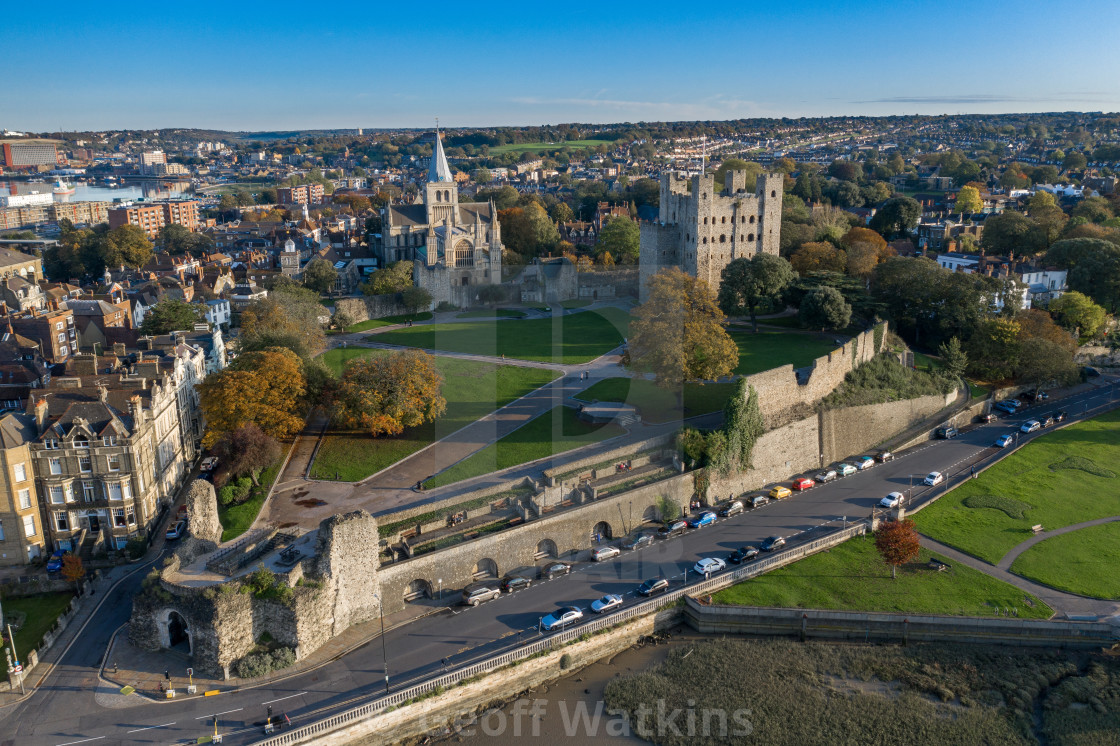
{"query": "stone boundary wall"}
{"type": "Point", "coordinates": [855, 429]}
{"type": "Point", "coordinates": [449, 503]}
{"type": "Point", "coordinates": [371, 307]}
{"type": "Point", "coordinates": [621, 453]}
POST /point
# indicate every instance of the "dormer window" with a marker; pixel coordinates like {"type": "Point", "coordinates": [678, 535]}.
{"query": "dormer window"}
{"type": "Point", "coordinates": [81, 442]}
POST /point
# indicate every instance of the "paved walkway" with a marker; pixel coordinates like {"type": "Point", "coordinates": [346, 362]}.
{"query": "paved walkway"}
{"type": "Point", "coordinates": [1010, 557]}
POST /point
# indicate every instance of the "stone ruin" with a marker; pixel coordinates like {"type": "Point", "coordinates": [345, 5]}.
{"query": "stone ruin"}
{"type": "Point", "coordinates": [204, 530]}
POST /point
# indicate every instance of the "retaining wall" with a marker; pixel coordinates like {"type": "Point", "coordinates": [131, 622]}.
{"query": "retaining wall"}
{"type": "Point", "coordinates": [371, 307]}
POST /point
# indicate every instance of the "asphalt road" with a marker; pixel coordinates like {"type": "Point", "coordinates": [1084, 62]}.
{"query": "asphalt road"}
{"type": "Point", "coordinates": [63, 712]}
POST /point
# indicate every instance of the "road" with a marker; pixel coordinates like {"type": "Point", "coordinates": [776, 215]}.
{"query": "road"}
{"type": "Point", "coordinates": [64, 711]}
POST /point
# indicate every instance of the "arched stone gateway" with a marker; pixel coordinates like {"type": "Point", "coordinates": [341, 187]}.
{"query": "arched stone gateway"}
{"type": "Point", "coordinates": [417, 590]}
{"type": "Point", "coordinates": [651, 514]}
{"type": "Point", "coordinates": [175, 632]}
{"type": "Point", "coordinates": [546, 548]}
{"type": "Point", "coordinates": [485, 569]}
{"type": "Point", "coordinates": [602, 531]}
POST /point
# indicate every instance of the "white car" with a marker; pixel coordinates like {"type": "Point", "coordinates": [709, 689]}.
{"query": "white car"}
{"type": "Point", "coordinates": [934, 478]}
{"type": "Point", "coordinates": [1030, 426]}
{"type": "Point", "coordinates": [562, 618]}
{"type": "Point", "coordinates": [709, 566]}
{"type": "Point", "coordinates": [602, 554]}
{"type": "Point", "coordinates": [609, 602]}
{"type": "Point", "coordinates": [1004, 441]}
{"type": "Point", "coordinates": [893, 500]}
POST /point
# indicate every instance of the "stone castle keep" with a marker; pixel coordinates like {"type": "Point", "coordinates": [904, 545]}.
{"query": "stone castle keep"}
{"type": "Point", "coordinates": [701, 230]}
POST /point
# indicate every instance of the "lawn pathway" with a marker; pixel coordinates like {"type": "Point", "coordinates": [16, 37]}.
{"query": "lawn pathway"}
{"type": "Point", "coordinates": [1007, 559]}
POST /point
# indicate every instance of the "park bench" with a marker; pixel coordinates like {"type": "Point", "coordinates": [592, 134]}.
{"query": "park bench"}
{"type": "Point", "coordinates": [935, 564]}
{"type": "Point", "coordinates": [1036, 529]}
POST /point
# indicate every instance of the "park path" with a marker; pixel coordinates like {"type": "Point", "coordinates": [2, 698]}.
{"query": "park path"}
{"type": "Point", "coordinates": [1070, 604]}
{"type": "Point", "coordinates": [1007, 559]}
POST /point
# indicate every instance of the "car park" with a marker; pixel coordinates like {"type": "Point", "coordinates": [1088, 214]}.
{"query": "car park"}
{"type": "Point", "coordinates": [772, 543]}
{"type": "Point", "coordinates": [803, 483]}
{"type": "Point", "coordinates": [706, 518]}
{"type": "Point", "coordinates": [933, 479]}
{"type": "Point", "coordinates": [54, 564]}
{"type": "Point", "coordinates": [653, 586]}
{"type": "Point", "coordinates": [637, 542]}
{"type": "Point", "coordinates": [1030, 426]}
{"type": "Point", "coordinates": [515, 583]}
{"type": "Point", "coordinates": [609, 602]}
{"type": "Point", "coordinates": [946, 432]}
{"type": "Point", "coordinates": [758, 501]}
{"type": "Point", "coordinates": [676, 528]}
{"type": "Point", "coordinates": [555, 570]}
{"type": "Point", "coordinates": [478, 593]}
{"type": "Point", "coordinates": [825, 476]}
{"type": "Point", "coordinates": [846, 470]}
{"type": "Point", "coordinates": [1004, 440]}
{"type": "Point", "coordinates": [884, 456]}
{"type": "Point", "coordinates": [743, 554]}
{"type": "Point", "coordinates": [863, 462]}
{"type": "Point", "coordinates": [175, 530]}
{"type": "Point", "coordinates": [780, 492]}
{"type": "Point", "coordinates": [732, 508]}
{"type": "Point", "coordinates": [892, 500]}
{"type": "Point", "coordinates": [602, 554]}
{"type": "Point", "coordinates": [561, 618]}
{"type": "Point", "coordinates": [709, 566]}
{"type": "Point", "coordinates": [1060, 416]}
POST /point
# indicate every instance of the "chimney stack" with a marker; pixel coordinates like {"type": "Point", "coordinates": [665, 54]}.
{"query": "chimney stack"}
{"type": "Point", "coordinates": [41, 411]}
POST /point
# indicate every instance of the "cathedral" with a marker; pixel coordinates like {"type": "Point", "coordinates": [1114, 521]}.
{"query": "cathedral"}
{"type": "Point", "coordinates": [455, 247]}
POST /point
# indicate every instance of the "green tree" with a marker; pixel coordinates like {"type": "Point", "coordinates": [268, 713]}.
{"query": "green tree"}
{"type": "Point", "coordinates": [1043, 363]}
{"type": "Point", "coordinates": [1093, 209]}
{"type": "Point", "coordinates": [743, 425]}
{"type": "Point", "coordinates": [954, 357]}
{"type": "Point", "coordinates": [748, 283]}
{"type": "Point", "coordinates": [825, 308]}
{"type": "Point", "coordinates": [620, 237]}
{"type": "Point", "coordinates": [171, 315]}
{"type": "Point", "coordinates": [319, 275]}
{"type": "Point", "coordinates": [483, 176]}
{"type": "Point", "coordinates": [994, 349]}
{"type": "Point", "coordinates": [1014, 178]}
{"type": "Point", "coordinates": [1074, 161]}
{"type": "Point", "coordinates": [125, 244]}
{"type": "Point", "coordinates": [1094, 268]}
{"type": "Point", "coordinates": [896, 217]}
{"type": "Point", "coordinates": [392, 279]}
{"type": "Point", "coordinates": [561, 213]}
{"type": "Point", "coordinates": [416, 299]}
{"type": "Point", "coordinates": [968, 200]}
{"type": "Point", "coordinates": [1079, 314]}
{"type": "Point", "coordinates": [178, 239]}
{"type": "Point", "coordinates": [1012, 233]}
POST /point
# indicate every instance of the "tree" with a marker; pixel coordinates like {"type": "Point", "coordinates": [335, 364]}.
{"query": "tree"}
{"type": "Point", "coordinates": [561, 213]}
{"type": "Point", "coordinates": [247, 450]}
{"type": "Point", "coordinates": [818, 256]}
{"type": "Point", "coordinates": [178, 239]}
{"type": "Point", "coordinates": [1074, 161]}
{"type": "Point", "coordinates": [955, 359]}
{"type": "Point", "coordinates": [1094, 268]}
{"type": "Point", "coordinates": [385, 394]}
{"type": "Point", "coordinates": [897, 217]}
{"type": "Point", "coordinates": [1042, 363]}
{"type": "Point", "coordinates": [1011, 233]}
{"type": "Point", "coordinates": [171, 315]}
{"type": "Point", "coordinates": [748, 283]}
{"type": "Point", "coordinates": [126, 244]}
{"type": "Point", "coordinates": [898, 543]}
{"type": "Point", "coordinates": [678, 332]}
{"type": "Point", "coordinates": [492, 294]}
{"type": "Point", "coordinates": [73, 570]}
{"type": "Point", "coordinates": [483, 176]}
{"type": "Point", "coordinates": [968, 200]}
{"type": "Point", "coordinates": [864, 249]}
{"type": "Point", "coordinates": [341, 319]}
{"type": "Point", "coordinates": [392, 279]}
{"type": "Point", "coordinates": [291, 316]}
{"type": "Point", "coordinates": [1014, 178]}
{"type": "Point", "coordinates": [825, 308]}
{"type": "Point", "coordinates": [319, 275]}
{"type": "Point", "coordinates": [265, 387]}
{"type": "Point", "coordinates": [620, 237]}
{"type": "Point", "coordinates": [1079, 314]}
{"type": "Point", "coordinates": [416, 299]}
{"type": "Point", "coordinates": [994, 348]}
{"type": "Point", "coordinates": [528, 230]}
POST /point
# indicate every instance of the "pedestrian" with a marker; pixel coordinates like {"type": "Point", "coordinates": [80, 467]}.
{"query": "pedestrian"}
{"type": "Point", "coordinates": [974, 472]}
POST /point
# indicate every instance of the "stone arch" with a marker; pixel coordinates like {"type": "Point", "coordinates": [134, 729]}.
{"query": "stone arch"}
{"type": "Point", "coordinates": [752, 219]}
{"type": "Point", "coordinates": [464, 254]}
{"type": "Point", "coordinates": [439, 196]}
{"type": "Point", "coordinates": [485, 569]}
{"type": "Point", "coordinates": [705, 239]}
{"type": "Point", "coordinates": [418, 589]}
{"type": "Point", "coordinates": [651, 514]}
{"type": "Point", "coordinates": [447, 195]}
{"type": "Point", "coordinates": [546, 549]}
{"type": "Point", "coordinates": [750, 236]}
{"type": "Point", "coordinates": [723, 219]}
{"type": "Point", "coordinates": [603, 530]}
{"type": "Point", "coordinates": [174, 630]}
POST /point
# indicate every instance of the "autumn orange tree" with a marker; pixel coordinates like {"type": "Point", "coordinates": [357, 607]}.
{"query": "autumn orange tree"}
{"type": "Point", "coordinates": [897, 542]}
{"type": "Point", "coordinates": [265, 387]}
{"type": "Point", "coordinates": [818, 256]}
{"type": "Point", "coordinates": [384, 394]}
{"type": "Point", "coordinates": [72, 569]}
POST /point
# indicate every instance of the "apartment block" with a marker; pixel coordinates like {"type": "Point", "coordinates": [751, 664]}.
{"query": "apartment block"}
{"type": "Point", "coordinates": [151, 216]}
{"type": "Point", "coordinates": [305, 194]}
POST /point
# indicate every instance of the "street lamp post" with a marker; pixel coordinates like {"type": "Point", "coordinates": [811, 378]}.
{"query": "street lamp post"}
{"type": "Point", "coordinates": [11, 667]}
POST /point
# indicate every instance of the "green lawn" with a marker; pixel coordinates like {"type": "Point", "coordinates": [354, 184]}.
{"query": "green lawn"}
{"type": "Point", "coordinates": [1083, 562]}
{"type": "Point", "coordinates": [553, 432]}
{"type": "Point", "coordinates": [576, 338]}
{"type": "Point", "coordinates": [575, 303]}
{"type": "Point", "coordinates": [365, 326]}
{"type": "Point", "coordinates": [472, 390]}
{"type": "Point", "coordinates": [657, 404]}
{"type": "Point", "coordinates": [766, 350]}
{"type": "Point", "coordinates": [1053, 481]}
{"type": "Point", "coordinates": [852, 576]}
{"type": "Point", "coordinates": [40, 614]}
{"type": "Point", "coordinates": [237, 519]}
{"type": "Point", "coordinates": [548, 147]}
{"type": "Point", "coordinates": [490, 313]}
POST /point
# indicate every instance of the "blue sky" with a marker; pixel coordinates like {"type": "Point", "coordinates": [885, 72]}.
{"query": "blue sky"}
{"type": "Point", "coordinates": [256, 66]}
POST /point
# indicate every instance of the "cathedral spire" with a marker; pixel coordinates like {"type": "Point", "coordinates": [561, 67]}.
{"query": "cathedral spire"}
{"type": "Point", "coordinates": [439, 170]}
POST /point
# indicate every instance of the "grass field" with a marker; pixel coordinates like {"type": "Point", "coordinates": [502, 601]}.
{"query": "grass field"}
{"type": "Point", "coordinates": [576, 338]}
{"type": "Point", "coordinates": [852, 576]}
{"type": "Point", "coordinates": [548, 147]}
{"type": "Point", "coordinates": [1083, 562]}
{"type": "Point", "coordinates": [553, 432]}
{"type": "Point", "coordinates": [657, 404]}
{"type": "Point", "coordinates": [490, 313]}
{"type": "Point", "coordinates": [1053, 475]}
{"type": "Point", "coordinates": [766, 350]}
{"type": "Point", "coordinates": [575, 303]}
{"type": "Point", "coordinates": [40, 612]}
{"type": "Point", "coordinates": [237, 519]}
{"type": "Point", "coordinates": [365, 326]}
{"type": "Point", "coordinates": [472, 389]}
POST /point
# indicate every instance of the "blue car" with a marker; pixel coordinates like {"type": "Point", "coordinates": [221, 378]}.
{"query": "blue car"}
{"type": "Point", "coordinates": [54, 564]}
{"type": "Point", "coordinates": [1004, 441]}
{"type": "Point", "coordinates": [706, 518]}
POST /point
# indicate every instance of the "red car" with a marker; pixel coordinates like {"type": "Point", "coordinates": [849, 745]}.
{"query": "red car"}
{"type": "Point", "coordinates": [803, 483]}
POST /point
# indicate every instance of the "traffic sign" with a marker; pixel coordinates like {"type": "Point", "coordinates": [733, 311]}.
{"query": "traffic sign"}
{"type": "Point", "coordinates": [17, 669]}
{"type": "Point", "coordinates": [190, 672]}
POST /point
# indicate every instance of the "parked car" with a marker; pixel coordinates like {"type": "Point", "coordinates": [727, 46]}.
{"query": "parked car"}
{"type": "Point", "coordinates": [1030, 426]}
{"type": "Point", "coordinates": [1047, 421]}
{"type": "Point", "coordinates": [863, 462]}
{"type": "Point", "coordinates": [561, 618]}
{"type": "Point", "coordinates": [175, 530]}
{"type": "Point", "coordinates": [1060, 416]}
{"type": "Point", "coordinates": [826, 476]}
{"type": "Point", "coordinates": [555, 570]}
{"type": "Point", "coordinates": [892, 500]}
{"type": "Point", "coordinates": [1006, 407]}
{"type": "Point", "coordinates": [743, 554]}
{"type": "Point", "coordinates": [514, 583]}
{"type": "Point", "coordinates": [478, 593]}
{"type": "Point", "coordinates": [985, 418]}
{"type": "Point", "coordinates": [706, 518]}
{"type": "Point", "coordinates": [1004, 440]}
{"type": "Point", "coordinates": [1036, 396]}
{"type": "Point", "coordinates": [1017, 403]}
{"type": "Point", "coordinates": [846, 470]}
{"type": "Point", "coordinates": [780, 492]}
{"type": "Point", "coordinates": [208, 464]}
{"type": "Point", "coordinates": [758, 501]}
{"type": "Point", "coordinates": [653, 586]}
{"type": "Point", "coordinates": [884, 456]}
{"type": "Point", "coordinates": [637, 542]}
{"type": "Point", "coordinates": [54, 564]}
{"type": "Point", "coordinates": [609, 602]}
{"type": "Point", "coordinates": [709, 566]}
{"type": "Point", "coordinates": [933, 479]}
{"type": "Point", "coordinates": [803, 483]}
{"type": "Point", "coordinates": [946, 432]}
{"type": "Point", "coordinates": [602, 554]}
{"type": "Point", "coordinates": [676, 528]}
{"type": "Point", "coordinates": [772, 543]}
{"type": "Point", "coordinates": [735, 507]}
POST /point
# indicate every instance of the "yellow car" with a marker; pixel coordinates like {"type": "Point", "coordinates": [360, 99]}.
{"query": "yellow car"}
{"type": "Point", "coordinates": [779, 492]}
